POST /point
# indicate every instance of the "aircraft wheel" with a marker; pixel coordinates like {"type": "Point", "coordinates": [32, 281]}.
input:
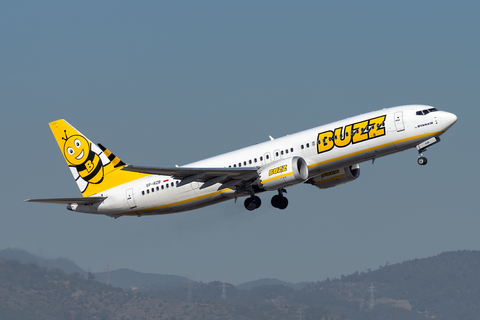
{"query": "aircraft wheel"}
{"type": "Point", "coordinates": [422, 161]}
{"type": "Point", "coordinates": [252, 203]}
{"type": "Point", "coordinates": [284, 204]}
{"type": "Point", "coordinates": [279, 202]}
{"type": "Point", "coordinates": [258, 202]}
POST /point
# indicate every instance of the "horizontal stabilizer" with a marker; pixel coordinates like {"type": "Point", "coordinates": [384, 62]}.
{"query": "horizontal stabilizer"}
{"type": "Point", "coordinates": [86, 200]}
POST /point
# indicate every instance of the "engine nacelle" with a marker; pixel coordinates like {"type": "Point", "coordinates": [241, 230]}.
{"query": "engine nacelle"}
{"type": "Point", "coordinates": [282, 173]}
{"type": "Point", "coordinates": [336, 177]}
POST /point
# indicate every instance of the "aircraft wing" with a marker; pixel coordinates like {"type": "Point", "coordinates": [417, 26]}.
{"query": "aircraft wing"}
{"type": "Point", "coordinates": [86, 200]}
{"type": "Point", "coordinates": [229, 177]}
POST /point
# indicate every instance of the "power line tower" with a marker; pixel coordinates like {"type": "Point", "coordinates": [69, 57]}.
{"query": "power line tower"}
{"type": "Point", "coordinates": [224, 291]}
{"type": "Point", "coordinates": [108, 266]}
{"type": "Point", "coordinates": [372, 298]}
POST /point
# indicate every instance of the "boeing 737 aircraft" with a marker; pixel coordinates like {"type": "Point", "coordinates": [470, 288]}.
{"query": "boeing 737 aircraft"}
{"type": "Point", "coordinates": [324, 157]}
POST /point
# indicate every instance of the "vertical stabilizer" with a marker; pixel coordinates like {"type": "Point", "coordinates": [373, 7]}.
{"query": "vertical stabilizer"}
{"type": "Point", "coordinates": [94, 168]}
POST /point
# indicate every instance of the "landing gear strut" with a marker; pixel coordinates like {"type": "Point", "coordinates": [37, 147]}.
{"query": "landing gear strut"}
{"type": "Point", "coordinates": [279, 201]}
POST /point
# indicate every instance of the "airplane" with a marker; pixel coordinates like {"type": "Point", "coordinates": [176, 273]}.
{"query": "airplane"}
{"type": "Point", "coordinates": [325, 156]}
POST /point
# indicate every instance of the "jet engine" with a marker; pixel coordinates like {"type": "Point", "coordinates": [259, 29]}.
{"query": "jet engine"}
{"type": "Point", "coordinates": [336, 177]}
{"type": "Point", "coordinates": [282, 173]}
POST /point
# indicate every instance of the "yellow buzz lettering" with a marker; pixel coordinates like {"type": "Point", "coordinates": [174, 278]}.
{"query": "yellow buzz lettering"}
{"type": "Point", "coordinates": [360, 134]}
{"type": "Point", "coordinates": [325, 141]}
{"type": "Point", "coordinates": [376, 127]}
{"type": "Point", "coordinates": [343, 140]}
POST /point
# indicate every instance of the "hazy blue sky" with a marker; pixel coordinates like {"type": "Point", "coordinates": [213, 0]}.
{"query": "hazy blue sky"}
{"type": "Point", "coordinates": [165, 83]}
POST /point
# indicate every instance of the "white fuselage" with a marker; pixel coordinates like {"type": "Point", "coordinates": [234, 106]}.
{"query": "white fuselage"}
{"type": "Point", "coordinates": [403, 128]}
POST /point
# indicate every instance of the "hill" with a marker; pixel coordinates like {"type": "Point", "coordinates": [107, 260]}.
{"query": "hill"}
{"type": "Point", "coordinates": [123, 278]}
{"type": "Point", "coordinates": [442, 287]}
{"type": "Point", "coordinates": [28, 291]}
{"type": "Point", "coordinates": [133, 280]}
{"type": "Point", "coordinates": [268, 281]}
{"type": "Point", "coordinates": [446, 286]}
{"type": "Point", "coordinates": [23, 256]}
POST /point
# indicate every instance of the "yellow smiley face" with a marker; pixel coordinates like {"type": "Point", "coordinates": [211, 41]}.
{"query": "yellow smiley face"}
{"type": "Point", "coordinates": [76, 150]}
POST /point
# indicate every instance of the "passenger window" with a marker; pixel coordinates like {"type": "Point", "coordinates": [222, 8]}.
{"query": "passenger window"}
{"type": "Point", "coordinates": [255, 160]}
{"type": "Point", "coordinates": [268, 157]}
{"type": "Point", "coordinates": [291, 149]}
{"type": "Point", "coordinates": [276, 153]}
{"type": "Point", "coordinates": [158, 188]}
{"type": "Point", "coordinates": [281, 152]}
{"type": "Point", "coordinates": [162, 187]}
{"type": "Point", "coordinates": [244, 163]}
{"type": "Point", "coordinates": [249, 161]}
{"type": "Point", "coordinates": [308, 145]}
{"type": "Point", "coordinates": [302, 147]}
{"type": "Point", "coordinates": [234, 165]}
{"type": "Point", "coordinates": [143, 193]}
{"type": "Point", "coordinates": [148, 191]}
{"type": "Point", "coordinates": [166, 186]}
{"type": "Point", "coordinates": [172, 184]}
{"type": "Point", "coordinates": [261, 158]}
{"type": "Point", "coordinates": [153, 190]}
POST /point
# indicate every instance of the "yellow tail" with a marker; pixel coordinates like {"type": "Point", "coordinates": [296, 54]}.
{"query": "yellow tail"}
{"type": "Point", "coordinates": [94, 168]}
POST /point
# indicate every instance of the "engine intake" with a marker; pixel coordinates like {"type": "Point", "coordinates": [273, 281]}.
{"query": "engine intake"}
{"type": "Point", "coordinates": [282, 173]}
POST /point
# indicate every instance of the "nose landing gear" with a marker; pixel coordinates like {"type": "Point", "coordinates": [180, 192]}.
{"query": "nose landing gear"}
{"type": "Point", "coordinates": [422, 147]}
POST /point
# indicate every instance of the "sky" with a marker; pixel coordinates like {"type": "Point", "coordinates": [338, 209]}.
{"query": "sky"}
{"type": "Point", "coordinates": [164, 83]}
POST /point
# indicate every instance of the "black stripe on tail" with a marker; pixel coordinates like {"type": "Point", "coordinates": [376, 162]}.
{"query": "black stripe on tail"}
{"type": "Point", "coordinates": [113, 158]}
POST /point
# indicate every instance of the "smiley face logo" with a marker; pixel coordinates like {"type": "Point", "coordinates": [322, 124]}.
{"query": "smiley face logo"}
{"type": "Point", "coordinates": [86, 163]}
{"type": "Point", "coordinates": [76, 150]}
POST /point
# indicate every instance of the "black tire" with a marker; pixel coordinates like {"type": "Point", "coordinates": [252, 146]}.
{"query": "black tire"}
{"type": "Point", "coordinates": [284, 204]}
{"type": "Point", "coordinates": [422, 161]}
{"type": "Point", "coordinates": [277, 201]}
{"type": "Point", "coordinates": [250, 204]}
{"type": "Point", "coordinates": [258, 202]}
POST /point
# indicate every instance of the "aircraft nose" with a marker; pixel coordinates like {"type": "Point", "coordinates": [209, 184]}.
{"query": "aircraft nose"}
{"type": "Point", "coordinates": [449, 119]}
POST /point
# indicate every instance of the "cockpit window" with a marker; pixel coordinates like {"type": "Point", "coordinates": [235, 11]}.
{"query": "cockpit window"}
{"type": "Point", "coordinates": [426, 111]}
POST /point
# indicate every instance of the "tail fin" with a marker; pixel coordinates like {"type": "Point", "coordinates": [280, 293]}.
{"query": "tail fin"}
{"type": "Point", "coordinates": [94, 168]}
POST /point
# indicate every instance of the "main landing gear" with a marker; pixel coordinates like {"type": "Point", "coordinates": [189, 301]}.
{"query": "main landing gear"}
{"type": "Point", "coordinates": [279, 201]}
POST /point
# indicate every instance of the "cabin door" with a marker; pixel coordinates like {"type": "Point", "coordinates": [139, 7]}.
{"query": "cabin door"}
{"type": "Point", "coordinates": [130, 200]}
{"type": "Point", "coordinates": [399, 121]}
